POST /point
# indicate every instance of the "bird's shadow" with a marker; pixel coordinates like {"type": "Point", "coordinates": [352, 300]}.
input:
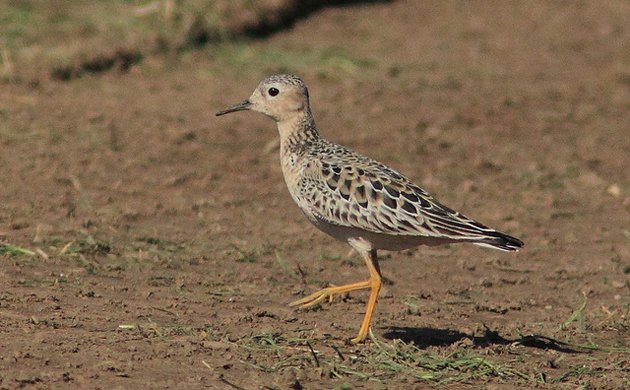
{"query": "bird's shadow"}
{"type": "Point", "coordinates": [428, 337]}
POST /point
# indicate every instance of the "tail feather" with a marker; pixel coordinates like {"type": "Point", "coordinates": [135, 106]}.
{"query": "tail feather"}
{"type": "Point", "coordinates": [501, 241]}
{"type": "Point", "coordinates": [459, 227]}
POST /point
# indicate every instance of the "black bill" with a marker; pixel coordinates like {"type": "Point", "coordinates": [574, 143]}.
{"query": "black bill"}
{"type": "Point", "coordinates": [244, 105]}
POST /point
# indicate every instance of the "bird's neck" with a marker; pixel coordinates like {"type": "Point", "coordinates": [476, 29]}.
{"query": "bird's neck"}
{"type": "Point", "coordinates": [297, 131]}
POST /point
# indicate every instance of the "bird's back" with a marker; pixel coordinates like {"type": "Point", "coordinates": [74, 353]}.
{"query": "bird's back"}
{"type": "Point", "coordinates": [345, 193]}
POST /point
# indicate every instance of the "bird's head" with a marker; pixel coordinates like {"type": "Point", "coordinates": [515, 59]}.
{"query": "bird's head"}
{"type": "Point", "coordinates": [280, 97]}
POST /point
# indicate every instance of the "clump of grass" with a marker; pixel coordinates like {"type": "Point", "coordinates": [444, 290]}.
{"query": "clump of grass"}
{"type": "Point", "coordinates": [86, 246]}
{"type": "Point", "coordinates": [286, 268]}
{"type": "Point", "coordinates": [399, 357]}
{"type": "Point", "coordinates": [282, 263]}
{"type": "Point", "coordinates": [161, 281]}
{"type": "Point", "coordinates": [250, 255]}
{"type": "Point", "coordinates": [327, 60]}
{"type": "Point", "coordinates": [576, 372]}
{"type": "Point", "coordinates": [104, 34]}
{"type": "Point", "coordinates": [413, 307]}
{"type": "Point", "coordinates": [246, 255]}
{"type": "Point", "coordinates": [379, 361]}
{"type": "Point", "coordinates": [90, 267]}
{"type": "Point", "coordinates": [70, 39]}
{"type": "Point", "coordinates": [152, 329]}
{"type": "Point", "coordinates": [577, 316]}
{"type": "Point", "coordinates": [161, 244]}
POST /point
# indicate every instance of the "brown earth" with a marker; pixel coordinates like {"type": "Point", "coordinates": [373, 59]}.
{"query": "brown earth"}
{"type": "Point", "coordinates": [168, 246]}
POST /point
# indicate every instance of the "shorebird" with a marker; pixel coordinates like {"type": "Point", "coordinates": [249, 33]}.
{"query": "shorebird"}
{"type": "Point", "coordinates": [354, 198]}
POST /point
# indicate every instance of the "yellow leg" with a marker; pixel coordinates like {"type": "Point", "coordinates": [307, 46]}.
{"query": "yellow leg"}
{"type": "Point", "coordinates": [375, 287]}
{"type": "Point", "coordinates": [373, 283]}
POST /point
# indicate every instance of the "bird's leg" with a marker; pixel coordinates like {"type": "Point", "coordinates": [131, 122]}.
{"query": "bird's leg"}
{"type": "Point", "coordinates": [374, 283]}
{"type": "Point", "coordinates": [328, 292]}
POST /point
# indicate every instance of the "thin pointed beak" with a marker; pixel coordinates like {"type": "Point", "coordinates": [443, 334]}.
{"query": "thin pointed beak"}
{"type": "Point", "coordinates": [244, 105]}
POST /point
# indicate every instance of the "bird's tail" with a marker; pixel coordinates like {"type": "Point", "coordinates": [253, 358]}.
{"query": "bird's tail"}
{"type": "Point", "coordinates": [501, 241]}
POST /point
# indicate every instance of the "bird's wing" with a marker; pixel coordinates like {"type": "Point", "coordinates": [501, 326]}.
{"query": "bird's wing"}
{"type": "Point", "coordinates": [347, 189]}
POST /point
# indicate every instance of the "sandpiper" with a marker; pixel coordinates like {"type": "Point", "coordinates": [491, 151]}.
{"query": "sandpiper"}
{"type": "Point", "coordinates": [354, 198]}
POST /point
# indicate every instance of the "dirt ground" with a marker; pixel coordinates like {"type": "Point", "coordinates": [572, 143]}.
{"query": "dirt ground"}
{"type": "Point", "coordinates": [166, 246]}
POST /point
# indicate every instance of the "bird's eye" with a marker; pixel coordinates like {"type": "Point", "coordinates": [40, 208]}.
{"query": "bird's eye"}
{"type": "Point", "coordinates": [273, 91]}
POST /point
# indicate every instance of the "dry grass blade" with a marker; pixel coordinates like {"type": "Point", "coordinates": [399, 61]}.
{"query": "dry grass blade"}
{"type": "Point", "coordinates": [284, 266]}
{"type": "Point", "coordinates": [15, 250]}
{"type": "Point", "coordinates": [576, 316]}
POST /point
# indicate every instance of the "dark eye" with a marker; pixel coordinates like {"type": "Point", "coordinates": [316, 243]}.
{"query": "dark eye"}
{"type": "Point", "coordinates": [273, 91]}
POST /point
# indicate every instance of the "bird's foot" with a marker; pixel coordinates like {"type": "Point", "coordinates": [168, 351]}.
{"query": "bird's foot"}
{"type": "Point", "coordinates": [328, 293]}
{"type": "Point", "coordinates": [314, 298]}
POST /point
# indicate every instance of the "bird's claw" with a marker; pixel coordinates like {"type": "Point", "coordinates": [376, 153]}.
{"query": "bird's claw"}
{"type": "Point", "coordinates": [314, 298]}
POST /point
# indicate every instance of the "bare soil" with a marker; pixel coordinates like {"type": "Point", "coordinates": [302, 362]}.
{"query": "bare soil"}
{"type": "Point", "coordinates": [167, 247]}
